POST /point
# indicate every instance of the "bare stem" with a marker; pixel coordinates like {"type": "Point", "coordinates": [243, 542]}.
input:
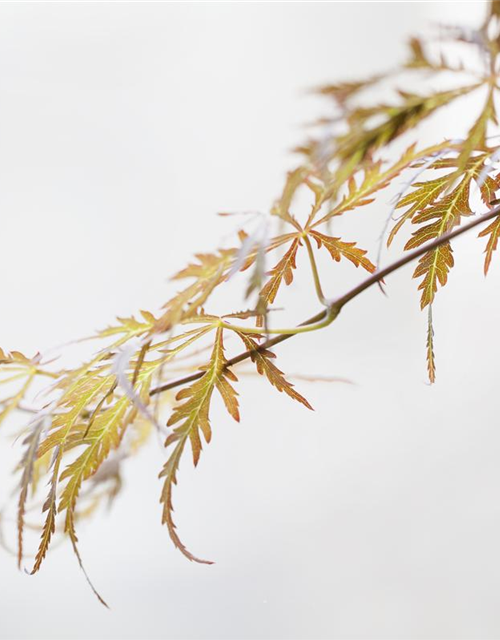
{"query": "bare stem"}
{"type": "Point", "coordinates": [328, 315]}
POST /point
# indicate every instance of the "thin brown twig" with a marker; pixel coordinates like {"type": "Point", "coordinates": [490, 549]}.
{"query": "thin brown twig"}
{"type": "Point", "coordinates": [336, 305]}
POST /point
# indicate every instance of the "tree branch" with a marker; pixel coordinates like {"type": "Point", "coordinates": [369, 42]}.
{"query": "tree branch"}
{"type": "Point", "coordinates": [336, 305]}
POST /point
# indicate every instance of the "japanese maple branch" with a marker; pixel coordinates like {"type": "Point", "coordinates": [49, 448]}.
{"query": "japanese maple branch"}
{"type": "Point", "coordinates": [328, 315]}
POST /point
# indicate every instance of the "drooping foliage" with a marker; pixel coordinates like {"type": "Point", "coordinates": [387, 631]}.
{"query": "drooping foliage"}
{"type": "Point", "coordinates": [91, 418]}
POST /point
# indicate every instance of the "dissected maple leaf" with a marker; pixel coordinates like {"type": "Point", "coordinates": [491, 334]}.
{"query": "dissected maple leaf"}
{"type": "Point", "coordinates": [431, 363]}
{"type": "Point", "coordinates": [193, 415]}
{"type": "Point", "coordinates": [493, 231]}
{"type": "Point", "coordinates": [476, 137]}
{"type": "Point", "coordinates": [263, 362]}
{"type": "Point", "coordinates": [339, 249]}
{"type": "Point", "coordinates": [425, 193]}
{"type": "Point", "coordinates": [353, 147]}
{"type": "Point", "coordinates": [374, 178]}
{"type": "Point", "coordinates": [76, 398]}
{"type": "Point", "coordinates": [130, 327]}
{"type": "Point", "coordinates": [294, 180]}
{"type": "Point", "coordinates": [254, 254]}
{"type": "Point", "coordinates": [50, 507]}
{"type": "Point", "coordinates": [440, 211]}
{"type": "Point", "coordinates": [434, 267]}
{"type": "Point", "coordinates": [27, 465]}
{"type": "Point", "coordinates": [341, 92]}
{"type": "Point", "coordinates": [420, 59]}
{"type": "Point", "coordinates": [16, 367]}
{"type": "Point", "coordinates": [282, 271]}
{"type": "Point", "coordinates": [208, 273]}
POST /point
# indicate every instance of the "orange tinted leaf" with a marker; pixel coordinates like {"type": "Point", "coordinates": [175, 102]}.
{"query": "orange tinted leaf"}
{"type": "Point", "coordinates": [492, 232]}
{"type": "Point", "coordinates": [263, 361]}
{"type": "Point", "coordinates": [339, 249]}
{"type": "Point", "coordinates": [434, 267]}
{"type": "Point", "coordinates": [282, 271]}
{"type": "Point", "coordinates": [431, 363]}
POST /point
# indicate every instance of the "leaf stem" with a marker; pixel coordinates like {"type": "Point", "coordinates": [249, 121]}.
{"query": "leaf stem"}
{"type": "Point", "coordinates": [328, 319]}
{"type": "Point", "coordinates": [315, 272]}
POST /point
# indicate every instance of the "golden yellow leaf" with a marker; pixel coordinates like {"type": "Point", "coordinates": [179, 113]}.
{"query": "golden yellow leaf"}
{"type": "Point", "coordinates": [193, 415]}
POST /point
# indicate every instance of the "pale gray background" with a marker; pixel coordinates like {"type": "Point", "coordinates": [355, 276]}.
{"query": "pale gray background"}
{"type": "Point", "coordinates": [123, 129]}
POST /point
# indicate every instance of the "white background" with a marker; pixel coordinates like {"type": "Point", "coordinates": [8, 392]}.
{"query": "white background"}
{"type": "Point", "coordinates": [124, 127]}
